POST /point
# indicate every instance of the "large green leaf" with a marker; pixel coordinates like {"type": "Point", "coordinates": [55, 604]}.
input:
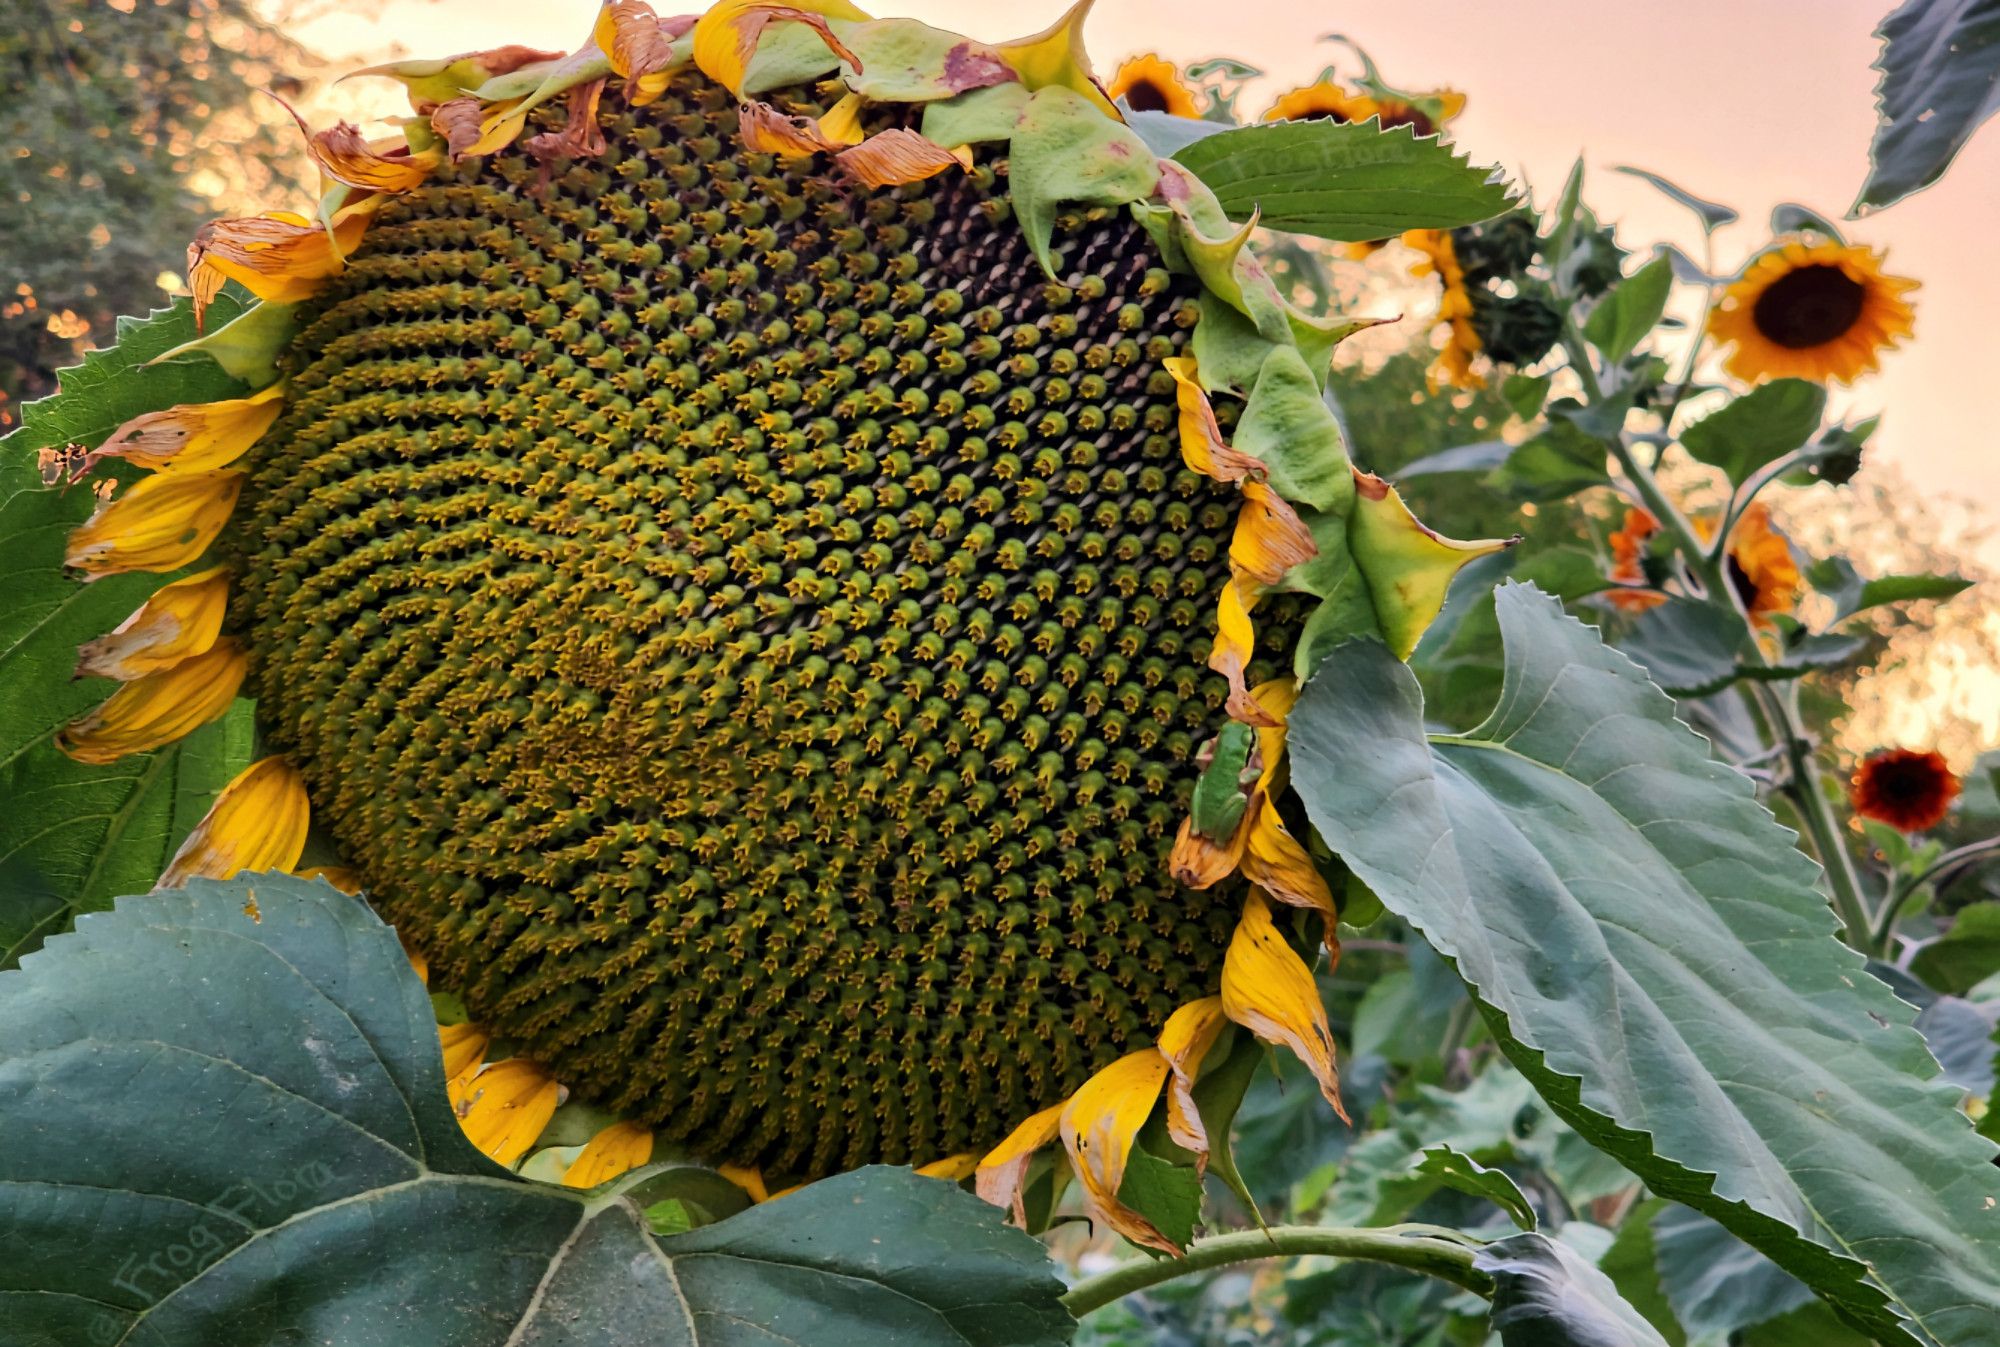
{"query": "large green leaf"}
{"type": "Point", "coordinates": [72, 836]}
{"type": "Point", "coordinates": [1758, 428]}
{"type": "Point", "coordinates": [1965, 955]}
{"type": "Point", "coordinates": [1546, 1295]}
{"type": "Point", "coordinates": [1940, 67]}
{"type": "Point", "coordinates": [1650, 948]}
{"type": "Point", "coordinates": [1715, 1282]}
{"type": "Point", "coordinates": [224, 1121]}
{"type": "Point", "coordinates": [1343, 180]}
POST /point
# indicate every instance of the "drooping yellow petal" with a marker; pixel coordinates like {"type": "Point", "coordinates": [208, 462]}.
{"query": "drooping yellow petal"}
{"type": "Point", "coordinates": [616, 1149]}
{"type": "Point", "coordinates": [749, 1178]}
{"type": "Point", "coordinates": [153, 711]}
{"type": "Point", "coordinates": [1184, 1041]}
{"type": "Point", "coordinates": [506, 1106]}
{"type": "Point", "coordinates": [258, 822]}
{"type": "Point", "coordinates": [1203, 862]}
{"type": "Point", "coordinates": [197, 437]}
{"type": "Point", "coordinates": [1056, 58]}
{"type": "Point", "coordinates": [160, 523]}
{"type": "Point", "coordinates": [1268, 990]}
{"type": "Point", "coordinates": [180, 620]}
{"type": "Point", "coordinates": [640, 44]}
{"type": "Point", "coordinates": [952, 1167]}
{"type": "Point", "coordinates": [899, 155]}
{"type": "Point", "coordinates": [277, 256]}
{"type": "Point", "coordinates": [348, 881]}
{"type": "Point", "coordinates": [344, 155]}
{"type": "Point", "coordinates": [725, 38]}
{"type": "Point", "coordinates": [1202, 446]}
{"type": "Point", "coordinates": [581, 136]}
{"type": "Point", "coordinates": [1270, 537]}
{"type": "Point", "coordinates": [1277, 862]}
{"type": "Point", "coordinates": [1408, 566]}
{"type": "Point", "coordinates": [1235, 643]}
{"type": "Point", "coordinates": [842, 122]}
{"type": "Point", "coordinates": [1002, 1169]}
{"type": "Point", "coordinates": [1099, 1125]}
{"type": "Point", "coordinates": [464, 1047]}
{"type": "Point", "coordinates": [766, 130]}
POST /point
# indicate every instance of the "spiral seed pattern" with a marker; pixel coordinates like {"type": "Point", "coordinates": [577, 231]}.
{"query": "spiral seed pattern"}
{"type": "Point", "coordinates": [749, 632]}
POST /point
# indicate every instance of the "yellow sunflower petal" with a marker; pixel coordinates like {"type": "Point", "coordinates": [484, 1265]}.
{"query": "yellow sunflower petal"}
{"type": "Point", "coordinates": [620, 1147]}
{"type": "Point", "coordinates": [1099, 1125]}
{"type": "Point", "coordinates": [1184, 1041]}
{"type": "Point", "coordinates": [1235, 643]}
{"type": "Point", "coordinates": [258, 822]}
{"type": "Point", "coordinates": [198, 437]}
{"type": "Point", "coordinates": [1203, 862]}
{"type": "Point", "coordinates": [725, 38]}
{"type": "Point", "coordinates": [1327, 100]}
{"type": "Point", "coordinates": [1149, 84]}
{"type": "Point", "coordinates": [1270, 537]}
{"type": "Point", "coordinates": [640, 45]}
{"type": "Point", "coordinates": [160, 523]}
{"type": "Point", "coordinates": [1056, 58]}
{"type": "Point", "coordinates": [1002, 1169]}
{"type": "Point", "coordinates": [749, 1178]}
{"type": "Point", "coordinates": [766, 130]}
{"type": "Point", "coordinates": [952, 1167]}
{"type": "Point", "coordinates": [1202, 446]}
{"type": "Point", "coordinates": [1821, 311]}
{"type": "Point", "coordinates": [899, 155]}
{"type": "Point", "coordinates": [277, 256]}
{"type": "Point", "coordinates": [344, 155]}
{"type": "Point", "coordinates": [348, 881]}
{"type": "Point", "coordinates": [1762, 565]}
{"type": "Point", "coordinates": [464, 1047]}
{"type": "Point", "coordinates": [153, 711]}
{"type": "Point", "coordinates": [1277, 862]}
{"type": "Point", "coordinates": [506, 1107]}
{"type": "Point", "coordinates": [180, 620]}
{"type": "Point", "coordinates": [1268, 990]}
{"type": "Point", "coordinates": [842, 122]}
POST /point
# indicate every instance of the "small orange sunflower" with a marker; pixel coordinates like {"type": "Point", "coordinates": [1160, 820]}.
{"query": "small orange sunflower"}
{"type": "Point", "coordinates": [1762, 569]}
{"type": "Point", "coordinates": [1908, 790]}
{"type": "Point", "coordinates": [1628, 550]}
{"type": "Point", "coordinates": [1462, 344]}
{"type": "Point", "coordinates": [1820, 311]}
{"type": "Point", "coordinates": [1148, 83]}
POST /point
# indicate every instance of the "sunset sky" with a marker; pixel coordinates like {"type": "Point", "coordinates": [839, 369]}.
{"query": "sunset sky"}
{"type": "Point", "coordinates": [1750, 102]}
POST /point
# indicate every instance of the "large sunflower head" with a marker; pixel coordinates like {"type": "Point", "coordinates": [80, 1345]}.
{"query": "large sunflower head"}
{"type": "Point", "coordinates": [737, 551]}
{"type": "Point", "coordinates": [1823, 311]}
{"type": "Point", "coordinates": [1149, 84]}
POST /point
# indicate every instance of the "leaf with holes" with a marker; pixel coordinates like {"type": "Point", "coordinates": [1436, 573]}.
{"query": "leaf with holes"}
{"type": "Point", "coordinates": [1651, 949]}
{"type": "Point", "coordinates": [225, 1121]}
{"type": "Point", "coordinates": [1940, 67]}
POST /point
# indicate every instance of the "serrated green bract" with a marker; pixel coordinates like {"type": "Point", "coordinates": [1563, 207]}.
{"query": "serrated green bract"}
{"type": "Point", "coordinates": [1651, 950]}
{"type": "Point", "coordinates": [72, 837]}
{"type": "Point", "coordinates": [1343, 181]}
{"type": "Point", "coordinates": [296, 1174]}
{"type": "Point", "coordinates": [1064, 150]}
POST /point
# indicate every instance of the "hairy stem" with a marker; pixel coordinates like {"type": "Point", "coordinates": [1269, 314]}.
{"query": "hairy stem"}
{"type": "Point", "coordinates": [1972, 853]}
{"type": "Point", "coordinates": [1431, 1250]}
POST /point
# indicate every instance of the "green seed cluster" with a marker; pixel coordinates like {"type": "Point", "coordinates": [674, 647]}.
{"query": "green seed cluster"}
{"type": "Point", "coordinates": [749, 632]}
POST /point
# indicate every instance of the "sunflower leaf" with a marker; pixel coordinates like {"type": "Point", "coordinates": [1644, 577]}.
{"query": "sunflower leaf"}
{"type": "Point", "coordinates": [1688, 647]}
{"type": "Point", "coordinates": [1463, 1174]}
{"type": "Point", "coordinates": [1713, 214]}
{"type": "Point", "coordinates": [226, 1122]}
{"type": "Point", "coordinates": [1758, 428]}
{"type": "Point", "coordinates": [72, 837]}
{"type": "Point", "coordinates": [1546, 1295]}
{"type": "Point", "coordinates": [1621, 320]}
{"type": "Point", "coordinates": [1652, 951]}
{"type": "Point", "coordinates": [1940, 67]}
{"type": "Point", "coordinates": [1965, 955]}
{"type": "Point", "coordinates": [1343, 181]}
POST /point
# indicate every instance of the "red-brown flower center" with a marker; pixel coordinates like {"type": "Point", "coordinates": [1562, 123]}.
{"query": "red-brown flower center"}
{"type": "Point", "coordinates": [1809, 307]}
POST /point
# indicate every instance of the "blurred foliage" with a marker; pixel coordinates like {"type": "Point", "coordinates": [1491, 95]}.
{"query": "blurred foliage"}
{"type": "Point", "coordinates": [127, 123]}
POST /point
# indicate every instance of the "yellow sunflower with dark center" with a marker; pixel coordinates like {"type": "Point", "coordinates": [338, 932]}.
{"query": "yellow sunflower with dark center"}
{"type": "Point", "coordinates": [754, 584]}
{"type": "Point", "coordinates": [1821, 311]}
{"type": "Point", "coordinates": [1762, 568]}
{"type": "Point", "coordinates": [1149, 84]}
{"type": "Point", "coordinates": [1462, 346]}
{"type": "Point", "coordinates": [1910, 791]}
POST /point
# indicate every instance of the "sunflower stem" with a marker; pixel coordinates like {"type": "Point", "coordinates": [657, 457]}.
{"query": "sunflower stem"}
{"type": "Point", "coordinates": [1780, 717]}
{"type": "Point", "coordinates": [1900, 893]}
{"type": "Point", "coordinates": [1431, 1250]}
